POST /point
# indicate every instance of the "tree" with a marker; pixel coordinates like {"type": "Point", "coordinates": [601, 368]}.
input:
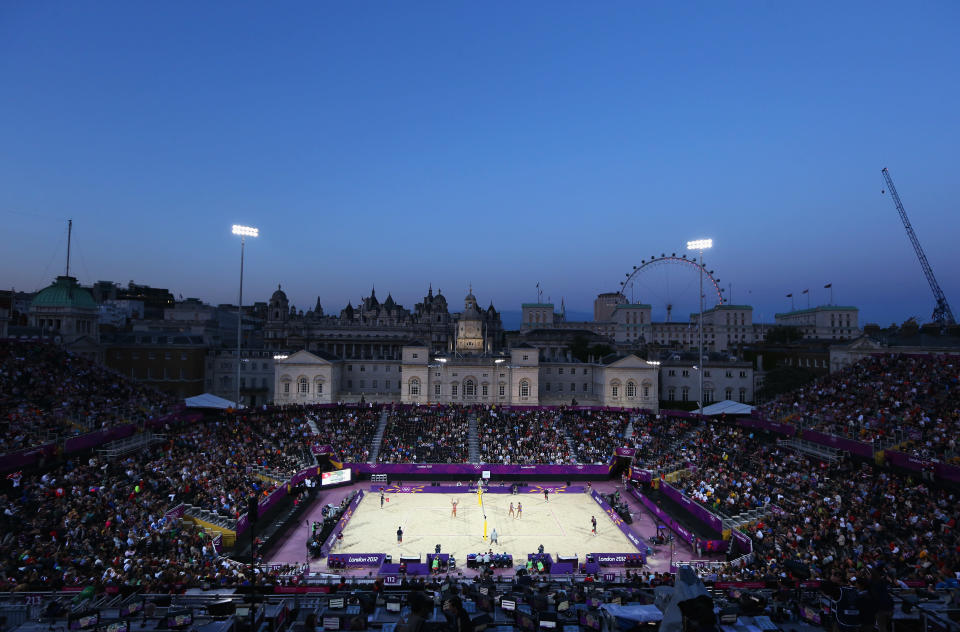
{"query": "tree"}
{"type": "Point", "coordinates": [784, 379]}
{"type": "Point", "coordinates": [582, 350]}
{"type": "Point", "coordinates": [783, 334]}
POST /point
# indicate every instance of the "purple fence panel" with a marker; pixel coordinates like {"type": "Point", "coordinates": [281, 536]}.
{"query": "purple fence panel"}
{"type": "Point", "coordinates": [176, 513]}
{"type": "Point", "coordinates": [473, 471]}
{"type": "Point", "coordinates": [947, 472]}
{"type": "Point", "coordinates": [341, 524]}
{"type": "Point", "coordinates": [93, 439]}
{"type": "Point", "coordinates": [858, 448]}
{"type": "Point", "coordinates": [697, 511]}
{"type": "Point", "coordinates": [26, 458]}
{"type": "Point", "coordinates": [617, 520]}
{"type": "Point", "coordinates": [662, 516]}
{"type": "Point", "coordinates": [785, 429]}
{"type": "Point", "coordinates": [616, 559]}
{"type": "Point", "coordinates": [643, 476]}
{"type": "Point", "coordinates": [356, 560]}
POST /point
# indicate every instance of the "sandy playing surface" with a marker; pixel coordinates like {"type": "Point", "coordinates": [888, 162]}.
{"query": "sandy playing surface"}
{"type": "Point", "coordinates": [562, 526]}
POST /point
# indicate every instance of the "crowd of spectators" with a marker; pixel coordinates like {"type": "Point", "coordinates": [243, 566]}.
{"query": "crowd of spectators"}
{"type": "Point", "coordinates": [522, 437]}
{"type": "Point", "coordinates": [348, 430]}
{"type": "Point", "coordinates": [658, 440]}
{"type": "Point", "coordinates": [421, 435]}
{"type": "Point", "coordinates": [595, 434]}
{"type": "Point", "coordinates": [47, 394]}
{"type": "Point", "coordinates": [910, 399]}
{"type": "Point", "coordinates": [827, 517]}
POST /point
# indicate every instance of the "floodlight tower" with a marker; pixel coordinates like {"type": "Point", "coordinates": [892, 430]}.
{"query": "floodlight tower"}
{"type": "Point", "coordinates": [244, 232]}
{"type": "Point", "coordinates": [700, 245]}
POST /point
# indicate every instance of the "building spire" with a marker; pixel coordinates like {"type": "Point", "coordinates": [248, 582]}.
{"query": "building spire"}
{"type": "Point", "coordinates": [69, 236]}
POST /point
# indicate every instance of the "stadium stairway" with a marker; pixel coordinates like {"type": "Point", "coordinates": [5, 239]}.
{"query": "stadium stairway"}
{"type": "Point", "coordinates": [473, 442]}
{"type": "Point", "coordinates": [378, 438]}
{"type": "Point", "coordinates": [628, 432]}
{"type": "Point", "coordinates": [570, 444]}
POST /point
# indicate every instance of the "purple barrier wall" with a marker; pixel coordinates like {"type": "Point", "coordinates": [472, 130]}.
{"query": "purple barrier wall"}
{"type": "Point", "coordinates": [341, 524]}
{"type": "Point", "coordinates": [697, 511]}
{"type": "Point", "coordinates": [472, 471]}
{"type": "Point", "coordinates": [425, 488]}
{"type": "Point", "coordinates": [662, 516]}
{"type": "Point", "coordinates": [355, 560]}
{"type": "Point", "coordinates": [27, 458]}
{"type": "Point", "coordinates": [617, 520]}
{"type": "Point", "coordinates": [176, 513]}
{"type": "Point", "coordinates": [615, 559]}
{"type": "Point", "coordinates": [941, 470]}
{"type": "Point", "coordinates": [643, 476]}
{"type": "Point", "coordinates": [785, 429]}
{"type": "Point", "coordinates": [744, 543]}
{"type": "Point", "coordinates": [93, 439]}
{"type": "Point", "coordinates": [858, 448]}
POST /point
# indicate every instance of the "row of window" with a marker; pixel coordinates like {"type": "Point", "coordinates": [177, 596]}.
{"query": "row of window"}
{"type": "Point", "coordinates": [707, 394]}
{"type": "Point", "coordinates": [573, 387]}
{"type": "Point", "coordinates": [573, 371]}
{"type": "Point", "coordinates": [686, 373]}
{"type": "Point", "coordinates": [469, 389]}
{"type": "Point", "coordinates": [151, 355]}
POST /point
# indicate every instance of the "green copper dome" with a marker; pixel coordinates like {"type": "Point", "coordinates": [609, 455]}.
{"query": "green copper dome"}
{"type": "Point", "coordinates": [65, 292]}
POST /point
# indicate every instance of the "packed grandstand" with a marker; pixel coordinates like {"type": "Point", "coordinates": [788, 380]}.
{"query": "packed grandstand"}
{"type": "Point", "coordinates": [77, 518]}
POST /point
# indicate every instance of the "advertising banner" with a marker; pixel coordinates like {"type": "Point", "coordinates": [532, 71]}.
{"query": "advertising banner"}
{"type": "Point", "coordinates": [472, 471]}
{"type": "Point", "coordinates": [356, 560]}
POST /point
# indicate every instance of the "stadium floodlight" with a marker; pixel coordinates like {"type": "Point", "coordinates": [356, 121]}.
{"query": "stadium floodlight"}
{"type": "Point", "coordinates": [700, 245]}
{"type": "Point", "coordinates": [444, 360]}
{"type": "Point", "coordinates": [280, 356]}
{"type": "Point", "coordinates": [244, 232]}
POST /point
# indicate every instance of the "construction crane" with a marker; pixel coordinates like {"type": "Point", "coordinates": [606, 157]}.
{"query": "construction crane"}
{"type": "Point", "coordinates": [942, 313]}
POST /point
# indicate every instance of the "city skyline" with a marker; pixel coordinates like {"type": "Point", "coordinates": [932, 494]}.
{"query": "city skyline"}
{"type": "Point", "coordinates": [500, 147]}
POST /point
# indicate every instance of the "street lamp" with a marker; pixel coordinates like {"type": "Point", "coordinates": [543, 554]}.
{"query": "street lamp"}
{"type": "Point", "coordinates": [244, 232]}
{"type": "Point", "coordinates": [700, 245]}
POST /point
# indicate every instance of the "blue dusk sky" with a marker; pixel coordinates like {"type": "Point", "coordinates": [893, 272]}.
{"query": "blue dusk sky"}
{"type": "Point", "coordinates": [502, 144]}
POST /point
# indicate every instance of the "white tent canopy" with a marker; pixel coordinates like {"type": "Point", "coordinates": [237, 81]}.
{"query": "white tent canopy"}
{"type": "Point", "coordinates": [208, 400]}
{"type": "Point", "coordinates": [728, 407]}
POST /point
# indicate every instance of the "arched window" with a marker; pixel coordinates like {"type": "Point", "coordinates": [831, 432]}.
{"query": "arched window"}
{"type": "Point", "coordinates": [728, 394]}
{"type": "Point", "coordinates": [415, 386]}
{"type": "Point", "coordinates": [303, 385]}
{"type": "Point", "coordinates": [615, 389]}
{"type": "Point", "coordinates": [672, 393]}
{"type": "Point", "coordinates": [646, 391]}
{"type": "Point", "coordinates": [502, 389]}
{"type": "Point", "coordinates": [524, 388]}
{"type": "Point", "coordinates": [685, 394]}
{"type": "Point", "coordinates": [469, 388]}
{"type": "Point", "coordinates": [318, 387]}
{"type": "Point", "coordinates": [743, 395]}
{"type": "Point", "coordinates": [631, 389]}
